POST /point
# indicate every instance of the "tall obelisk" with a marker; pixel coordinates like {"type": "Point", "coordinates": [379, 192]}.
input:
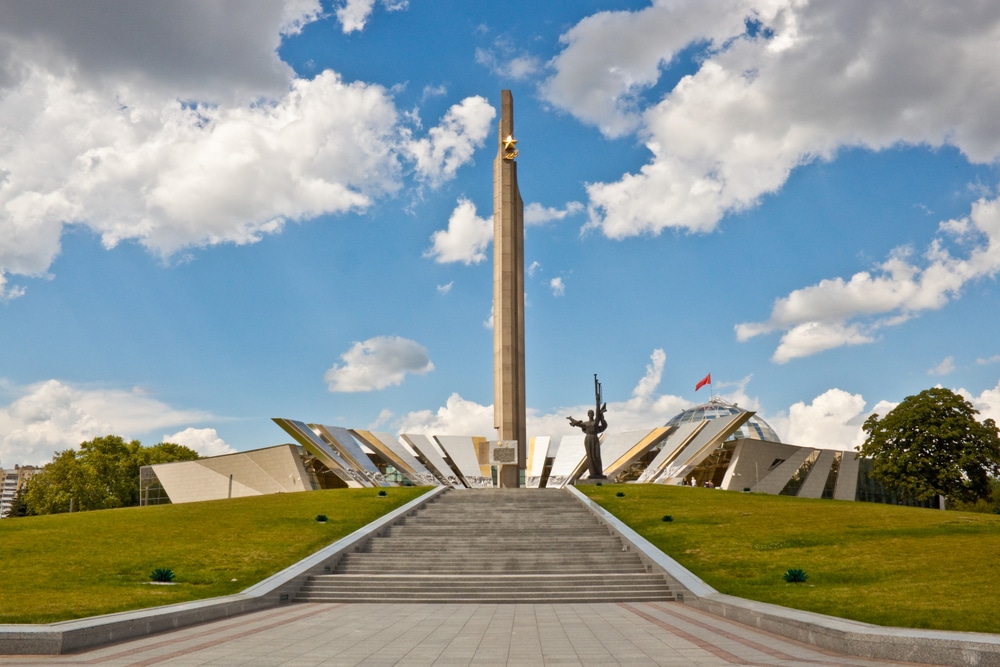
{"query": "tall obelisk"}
{"type": "Point", "coordinates": [508, 297]}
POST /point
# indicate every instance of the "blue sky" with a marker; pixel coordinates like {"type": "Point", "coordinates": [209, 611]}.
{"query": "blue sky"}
{"type": "Point", "coordinates": [212, 214]}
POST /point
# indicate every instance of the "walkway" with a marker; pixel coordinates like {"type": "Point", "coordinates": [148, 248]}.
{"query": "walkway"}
{"type": "Point", "coordinates": [297, 635]}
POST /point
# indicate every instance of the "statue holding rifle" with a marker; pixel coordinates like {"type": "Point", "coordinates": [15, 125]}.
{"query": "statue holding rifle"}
{"type": "Point", "coordinates": [593, 427]}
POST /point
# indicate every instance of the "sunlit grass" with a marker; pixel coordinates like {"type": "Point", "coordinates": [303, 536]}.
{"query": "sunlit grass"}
{"type": "Point", "coordinates": [880, 564]}
{"type": "Point", "coordinates": [67, 566]}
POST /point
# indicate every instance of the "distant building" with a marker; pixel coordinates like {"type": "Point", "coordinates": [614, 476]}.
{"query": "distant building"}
{"type": "Point", "coordinates": [11, 483]}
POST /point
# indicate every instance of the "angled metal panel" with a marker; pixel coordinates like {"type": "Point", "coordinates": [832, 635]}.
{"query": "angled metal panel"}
{"type": "Point", "coordinates": [326, 454]}
{"type": "Point", "coordinates": [570, 454]}
{"type": "Point", "coordinates": [538, 452]}
{"type": "Point", "coordinates": [673, 446]}
{"type": "Point", "coordinates": [432, 459]}
{"type": "Point", "coordinates": [847, 478]}
{"type": "Point", "coordinates": [398, 456]}
{"type": "Point", "coordinates": [619, 450]}
{"type": "Point", "coordinates": [714, 432]}
{"type": "Point", "coordinates": [776, 479]}
{"type": "Point", "coordinates": [345, 444]}
{"type": "Point", "coordinates": [813, 486]}
{"type": "Point", "coordinates": [462, 451]}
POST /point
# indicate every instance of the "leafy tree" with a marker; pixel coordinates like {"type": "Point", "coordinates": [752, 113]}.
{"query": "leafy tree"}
{"type": "Point", "coordinates": [103, 473]}
{"type": "Point", "coordinates": [931, 444]}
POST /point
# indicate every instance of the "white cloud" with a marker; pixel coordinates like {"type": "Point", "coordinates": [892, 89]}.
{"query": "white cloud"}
{"type": "Point", "coordinates": [536, 214]}
{"type": "Point", "coordinates": [532, 269]}
{"type": "Point", "coordinates": [832, 421]}
{"type": "Point", "coordinates": [466, 238]}
{"type": "Point", "coordinates": [52, 416]}
{"type": "Point", "coordinates": [205, 441]}
{"type": "Point", "coordinates": [458, 416]}
{"type": "Point", "coordinates": [610, 58]}
{"type": "Point", "coordinates": [988, 403]}
{"type": "Point", "coordinates": [217, 53]}
{"type": "Point", "coordinates": [817, 76]}
{"type": "Point", "coordinates": [353, 14]}
{"type": "Point", "coordinates": [224, 148]}
{"type": "Point", "coordinates": [452, 143]}
{"type": "Point", "coordinates": [507, 61]}
{"type": "Point", "coordinates": [837, 312]}
{"type": "Point", "coordinates": [444, 289]}
{"type": "Point", "coordinates": [946, 366]}
{"type": "Point", "coordinates": [557, 286]}
{"type": "Point", "coordinates": [989, 360]}
{"type": "Point", "coordinates": [378, 363]}
{"type": "Point", "coordinates": [644, 409]}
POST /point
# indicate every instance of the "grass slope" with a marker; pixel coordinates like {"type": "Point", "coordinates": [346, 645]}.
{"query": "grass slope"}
{"type": "Point", "coordinates": [66, 566]}
{"type": "Point", "coordinates": [880, 564]}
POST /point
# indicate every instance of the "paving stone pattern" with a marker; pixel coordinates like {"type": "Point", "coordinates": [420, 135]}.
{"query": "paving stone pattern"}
{"type": "Point", "coordinates": [515, 635]}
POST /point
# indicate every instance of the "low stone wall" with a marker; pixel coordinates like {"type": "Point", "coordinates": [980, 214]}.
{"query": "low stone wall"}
{"type": "Point", "coordinates": [973, 649]}
{"type": "Point", "coordinates": [67, 636]}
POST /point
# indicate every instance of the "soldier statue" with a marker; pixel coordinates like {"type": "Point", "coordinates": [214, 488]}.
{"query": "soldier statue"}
{"type": "Point", "coordinates": [592, 428]}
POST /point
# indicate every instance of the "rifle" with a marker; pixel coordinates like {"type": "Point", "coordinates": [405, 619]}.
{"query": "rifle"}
{"type": "Point", "coordinates": [598, 399]}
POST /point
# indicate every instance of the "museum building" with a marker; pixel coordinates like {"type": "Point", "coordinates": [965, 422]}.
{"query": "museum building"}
{"type": "Point", "coordinates": [715, 444]}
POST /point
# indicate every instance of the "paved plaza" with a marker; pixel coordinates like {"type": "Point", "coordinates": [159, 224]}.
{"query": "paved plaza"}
{"type": "Point", "coordinates": [297, 635]}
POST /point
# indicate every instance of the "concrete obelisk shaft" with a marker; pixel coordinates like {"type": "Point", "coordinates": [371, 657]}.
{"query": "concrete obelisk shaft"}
{"type": "Point", "coordinates": [508, 297]}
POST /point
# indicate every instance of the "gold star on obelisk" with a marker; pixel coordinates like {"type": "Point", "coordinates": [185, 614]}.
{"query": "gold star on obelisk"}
{"type": "Point", "coordinates": [509, 143]}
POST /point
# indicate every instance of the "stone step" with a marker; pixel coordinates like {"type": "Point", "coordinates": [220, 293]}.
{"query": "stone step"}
{"type": "Point", "coordinates": [489, 545]}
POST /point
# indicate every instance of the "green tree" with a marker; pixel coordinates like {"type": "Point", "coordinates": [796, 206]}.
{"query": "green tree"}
{"type": "Point", "coordinates": [931, 444]}
{"type": "Point", "coordinates": [103, 473]}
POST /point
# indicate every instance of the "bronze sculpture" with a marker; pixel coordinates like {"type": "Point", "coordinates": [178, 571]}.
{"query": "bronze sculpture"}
{"type": "Point", "coordinates": [592, 428]}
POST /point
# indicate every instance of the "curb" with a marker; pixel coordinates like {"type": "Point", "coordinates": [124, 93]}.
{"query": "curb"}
{"type": "Point", "coordinates": [936, 647]}
{"type": "Point", "coordinates": [278, 589]}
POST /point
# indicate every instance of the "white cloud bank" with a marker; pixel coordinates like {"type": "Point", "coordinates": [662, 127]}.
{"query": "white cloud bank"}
{"type": "Point", "coordinates": [218, 143]}
{"type": "Point", "coordinates": [837, 312]}
{"type": "Point", "coordinates": [782, 83]}
{"type": "Point", "coordinates": [832, 420]}
{"type": "Point", "coordinates": [378, 363]}
{"type": "Point", "coordinates": [52, 416]}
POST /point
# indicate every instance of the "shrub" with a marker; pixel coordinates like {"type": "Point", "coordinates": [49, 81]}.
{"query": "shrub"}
{"type": "Point", "coordinates": [321, 518]}
{"type": "Point", "coordinates": [668, 517]}
{"type": "Point", "coordinates": [795, 576]}
{"type": "Point", "coordinates": [382, 493]}
{"type": "Point", "coordinates": [161, 574]}
{"type": "Point", "coordinates": [620, 494]}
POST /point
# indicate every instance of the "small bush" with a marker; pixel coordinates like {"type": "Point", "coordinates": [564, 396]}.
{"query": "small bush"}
{"type": "Point", "coordinates": [382, 493]}
{"type": "Point", "coordinates": [668, 517]}
{"type": "Point", "coordinates": [746, 489]}
{"type": "Point", "coordinates": [321, 518]}
{"type": "Point", "coordinates": [795, 576]}
{"type": "Point", "coordinates": [620, 494]}
{"type": "Point", "coordinates": [161, 574]}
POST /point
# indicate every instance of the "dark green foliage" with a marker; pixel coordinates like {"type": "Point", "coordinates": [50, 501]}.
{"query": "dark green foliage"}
{"type": "Point", "coordinates": [382, 493]}
{"type": "Point", "coordinates": [931, 444]}
{"type": "Point", "coordinates": [620, 494]}
{"type": "Point", "coordinates": [161, 574]}
{"type": "Point", "coordinates": [795, 576]}
{"type": "Point", "coordinates": [321, 518]}
{"type": "Point", "coordinates": [103, 473]}
{"type": "Point", "coordinates": [668, 517]}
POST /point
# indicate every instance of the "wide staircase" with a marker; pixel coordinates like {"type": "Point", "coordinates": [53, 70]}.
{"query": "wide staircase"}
{"type": "Point", "coordinates": [492, 545]}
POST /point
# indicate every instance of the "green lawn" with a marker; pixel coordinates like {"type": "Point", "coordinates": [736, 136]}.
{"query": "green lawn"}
{"type": "Point", "coordinates": [67, 566]}
{"type": "Point", "coordinates": [880, 564]}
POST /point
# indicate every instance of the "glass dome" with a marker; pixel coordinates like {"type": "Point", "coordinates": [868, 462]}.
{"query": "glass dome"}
{"type": "Point", "coordinates": [755, 429]}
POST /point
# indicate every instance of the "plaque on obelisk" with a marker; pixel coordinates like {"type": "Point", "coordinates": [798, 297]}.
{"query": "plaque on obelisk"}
{"type": "Point", "coordinates": [508, 297]}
